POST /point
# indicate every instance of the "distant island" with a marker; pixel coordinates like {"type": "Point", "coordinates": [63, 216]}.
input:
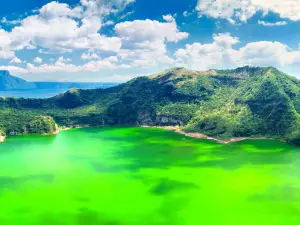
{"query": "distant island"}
{"type": "Point", "coordinates": [247, 102]}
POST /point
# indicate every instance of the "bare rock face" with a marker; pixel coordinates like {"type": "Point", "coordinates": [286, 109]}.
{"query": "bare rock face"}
{"type": "Point", "coordinates": [2, 139]}
{"type": "Point", "coordinates": [164, 120]}
{"type": "Point", "coordinates": [144, 119]}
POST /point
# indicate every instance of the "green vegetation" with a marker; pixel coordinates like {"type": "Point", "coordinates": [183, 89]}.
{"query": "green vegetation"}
{"type": "Point", "coordinates": [244, 102]}
{"type": "Point", "coordinates": [42, 124]}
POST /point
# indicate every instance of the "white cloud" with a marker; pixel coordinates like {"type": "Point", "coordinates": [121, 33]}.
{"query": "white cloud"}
{"type": "Point", "coordinates": [222, 54]}
{"type": "Point", "coordinates": [242, 10]}
{"type": "Point", "coordinates": [266, 53]}
{"type": "Point", "coordinates": [186, 13]}
{"type": "Point", "coordinates": [90, 56]}
{"type": "Point", "coordinates": [55, 9]}
{"type": "Point", "coordinates": [56, 67]}
{"type": "Point", "coordinates": [14, 69]}
{"type": "Point", "coordinates": [58, 27]}
{"type": "Point", "coordinates": [107, 63]}
{"type": "Point", "coordinates": [38, 60]}
{"type": "Point", "coordinates": [62, 34]}
{"type": "Point", "coordinates": [204, 56]}
{"type": "Point", "coordinates": [169, 18]}
{"type": "Point", "coordinates": [63, 65]}
{"type": "Point", "coordinates": [145, 58]}
{"type": "Point", "coordinates": [5, 52]}
{"type": "Point", "coordinates": [268, 24]}
{"type": "Point", "coordinates": [16, 60]}
{"type": "Point", "coordinates": [150, 30]}
{"type": "Point", "coordinates": [4, 39]}
{"type": "Point", "coordinates": [63, 59]}
{"type": "Point", "coordinates": [103, 7]}
{"type": "Point", "coordinates": [144, 41]}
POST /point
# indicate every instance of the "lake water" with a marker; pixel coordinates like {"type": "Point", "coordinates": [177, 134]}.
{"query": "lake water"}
{"type": "Point", "coordinates": [51, 92]}
{"type": "Point", "coordinates": [36, 93]}
{"type": "Point", "coordinates": [144, 176]}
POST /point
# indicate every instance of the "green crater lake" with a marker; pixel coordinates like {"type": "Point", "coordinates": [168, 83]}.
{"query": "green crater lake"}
{"type": "Point", "coordinates": [145, 176]}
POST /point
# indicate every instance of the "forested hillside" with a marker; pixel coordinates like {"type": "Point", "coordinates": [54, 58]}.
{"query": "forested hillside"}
{"type": "Point", "coordinates": [244, 102]}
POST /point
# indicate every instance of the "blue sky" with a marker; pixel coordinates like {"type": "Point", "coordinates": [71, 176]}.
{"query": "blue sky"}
{"type": "Point", "coordinates": [116, 40]}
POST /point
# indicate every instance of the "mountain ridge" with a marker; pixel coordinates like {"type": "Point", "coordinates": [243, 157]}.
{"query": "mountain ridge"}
{"type": "Point", "coordinates": [241, 102]}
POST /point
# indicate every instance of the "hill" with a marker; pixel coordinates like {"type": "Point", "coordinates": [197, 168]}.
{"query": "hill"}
{"type": "Point", "coordinates": [243, 102]}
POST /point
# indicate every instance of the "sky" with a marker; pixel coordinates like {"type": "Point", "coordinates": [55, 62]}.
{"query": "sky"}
{"type": "Point", "coordinates": [117, 40]}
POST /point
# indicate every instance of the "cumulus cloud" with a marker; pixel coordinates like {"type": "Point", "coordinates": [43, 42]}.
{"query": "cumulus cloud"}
{"type": "Point", "coordinates": [90, 56]}
{"type": "Point", "coordinates": [225, 51]}
{"type": "Point", "coordinates": [169, 18]}
{"type": "Point", "coordinates": [63, 59]}
{"type": "Point", "coordinates": [150, 30]}
{"type": "Point", "coordinates": [107, 63]}
{"type": "Point", "coordinates": [64, 65]}
{"type": "Point", "coordinates": [268, 53]}
{"type": "Point", "coordinates": [144, 41]}
{"type": "Point", "coordinates": [222, 54]}
{"type": "Point", "coordinates": [56, 67]}
{"type": "Point", "coordinates": [61, 33]}
{"type": "Point", "coordinates": [4, 39]}
{"type": "Point", "coordinates": [55, 9]}
{"type": "Point", "coordinates": [242, 10]}
{"type": "Point", "coordinates": [5, 52]}
{"type": "Point", "coordinates": [14, 69]}
{"type": "Point", "coordinates": [140, 45]}
{"type": "Point", "coordinates": [38, 60]}
{"type": "Point", "coordinates": [204, 56]}
{"type": "Point", "coordinates": [58, 27]}
{"type": "Point", "coordinates": [15, 60]}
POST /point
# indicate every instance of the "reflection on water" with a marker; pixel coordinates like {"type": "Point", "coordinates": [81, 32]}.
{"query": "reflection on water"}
{"type": "Point", "coordinates": [146, 176]}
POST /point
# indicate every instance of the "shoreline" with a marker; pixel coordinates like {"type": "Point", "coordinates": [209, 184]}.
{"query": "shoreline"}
{"type": "Point", "coordinates": [175, 129]}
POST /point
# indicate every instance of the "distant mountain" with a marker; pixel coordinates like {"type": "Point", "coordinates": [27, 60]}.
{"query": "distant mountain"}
{"type": "Point", "coordinates": [8, 82]}
{"type": "Point", "coordinates": [242, 102]}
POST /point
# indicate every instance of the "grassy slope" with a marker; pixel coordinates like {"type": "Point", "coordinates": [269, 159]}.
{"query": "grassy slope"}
{"type": "Point", "coordinates": [223, 103]}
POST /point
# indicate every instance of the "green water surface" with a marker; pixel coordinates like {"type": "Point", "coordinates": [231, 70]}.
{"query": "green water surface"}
{"type": "Point", "coordinates": [144, 176]}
